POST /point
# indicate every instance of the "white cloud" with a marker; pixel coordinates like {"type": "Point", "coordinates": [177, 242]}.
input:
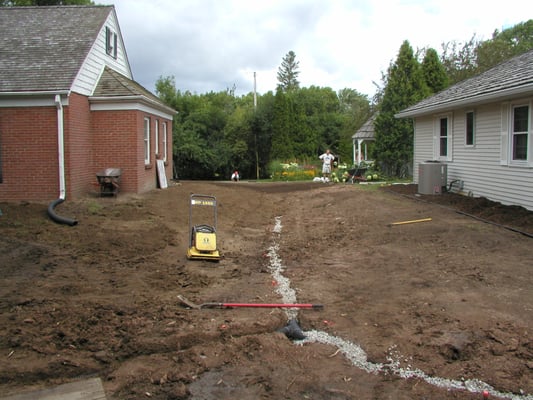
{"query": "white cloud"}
{"type": "Point", "coordinates": [211, 45]}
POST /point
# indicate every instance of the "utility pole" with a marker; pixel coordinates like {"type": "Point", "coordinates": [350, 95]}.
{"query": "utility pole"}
{"type": "Point", "coordinates": [256, 149]}
{"type": "Point", "coordinates": [255, 93]}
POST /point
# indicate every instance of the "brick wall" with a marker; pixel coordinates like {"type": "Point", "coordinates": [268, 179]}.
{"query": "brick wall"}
{"type": "Point", "coordinates": [94, 140]}
{"type": "Point", "coordinates": [118, 142]}
{"type": "Point", "coordinates": [115, 145]}
{"type": "Point", "coordinates": [28, 140]}
{"type": "Point", "coordinates": [80, 178]}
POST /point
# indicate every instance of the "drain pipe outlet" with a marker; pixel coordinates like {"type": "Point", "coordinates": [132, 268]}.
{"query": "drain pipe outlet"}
{"type": "Point", "coordinates": [60, 220]}
{"type": "Point", "coordinates": [61, 159]}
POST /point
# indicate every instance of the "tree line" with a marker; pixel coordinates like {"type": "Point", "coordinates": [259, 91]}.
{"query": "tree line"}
{"type": "Point", "coordinates": [218, 132]}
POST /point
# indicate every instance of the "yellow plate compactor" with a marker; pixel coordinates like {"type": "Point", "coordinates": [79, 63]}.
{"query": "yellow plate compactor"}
{"type": "Point", "coordinates": [203, 239]}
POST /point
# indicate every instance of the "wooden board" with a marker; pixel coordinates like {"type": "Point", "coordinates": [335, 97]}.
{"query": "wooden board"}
{"type": "Point", "coordinates": [90, 389]}
{"type": "Point", "coordinates": [161, 174]}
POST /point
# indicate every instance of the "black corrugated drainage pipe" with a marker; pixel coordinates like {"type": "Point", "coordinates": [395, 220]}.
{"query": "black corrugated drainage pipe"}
{"type": "Point", "coordinates": [57, 218]}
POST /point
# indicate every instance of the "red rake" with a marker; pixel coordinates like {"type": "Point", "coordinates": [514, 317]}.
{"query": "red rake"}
{"type": "Point", "coordinates": [190, 304]}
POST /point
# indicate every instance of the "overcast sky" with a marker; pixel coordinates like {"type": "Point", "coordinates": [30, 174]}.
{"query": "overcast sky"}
{"type": "Point", "coordinates": [212, 45]}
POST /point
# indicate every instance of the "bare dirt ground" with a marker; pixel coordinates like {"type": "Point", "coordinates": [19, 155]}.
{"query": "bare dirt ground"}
{"type": "Point", "coordinates": [441, 309]}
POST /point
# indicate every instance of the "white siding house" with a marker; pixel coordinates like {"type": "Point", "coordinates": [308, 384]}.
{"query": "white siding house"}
{"type": "Point", "coordinates": [482, 129]}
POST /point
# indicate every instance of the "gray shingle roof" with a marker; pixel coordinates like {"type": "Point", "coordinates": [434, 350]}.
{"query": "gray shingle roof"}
{"type": "Point", "coordinates": [114, 84]}
{"type": "Point", "coordinates": [43, 48]}
{"type": "Point", "coordinates": [509, 78]}
{"type": "Point", "coordinates": [367, 129]}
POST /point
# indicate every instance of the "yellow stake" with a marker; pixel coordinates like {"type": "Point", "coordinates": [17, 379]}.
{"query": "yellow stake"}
{"type": "Point", "coordinates": [414, 221]}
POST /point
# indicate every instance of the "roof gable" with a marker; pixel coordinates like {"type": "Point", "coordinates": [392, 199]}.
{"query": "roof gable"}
{"type": "Point", "coordinates": [116, 91]}
{"type": "Point", "coordinates": [112, 84]}
{"type": "Point", "coordinates": [43, 48]}
{"type": "Point", "coordinates": [508, 79]}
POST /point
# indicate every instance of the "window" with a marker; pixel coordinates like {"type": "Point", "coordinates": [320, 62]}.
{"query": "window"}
{"type": "Point", "coordinates": [146, 141]}
{"type": "Point", "coordinates": [165, 139]}
{"type": "Point", "coordinates": [470, 128]}
{"type": "Point", "coordinates": [519, 132]}
{"type": "Point", "coordinates": [156, 139]}
{"type": "Point", "coordinates": [443, 137]}
{"type": "Point", "coordinates": [110, 42]}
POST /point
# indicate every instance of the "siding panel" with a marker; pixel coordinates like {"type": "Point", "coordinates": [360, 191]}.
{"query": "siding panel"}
{"type": "Point", "coordinates": [479, 166]}
{"type": "Point", "coordinates": [423, 143]}
{"type": "Point", "coordinates": [92, 67]}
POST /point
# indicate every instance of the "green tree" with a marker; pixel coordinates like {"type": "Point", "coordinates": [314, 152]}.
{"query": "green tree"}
{"type": "Point", "coordinates": [260, 144]}
{"type": "Point", "coordinates": [355, 109]}
{"type": "Point", "coordinates": [236, 139]}
{"type": "Point", "coordinates": [200, 150]}
{"type": "Point", "coordinates": [288, 73]}
{"type": "Point", "coordinates": [504, 45]}
{"type": "Point", "coordinates": [393, 148]}
{"type": "Point", "coordinates": [282, 145]}
{"type": "Point", "coordinates": [165, 89]}
{"type": "Point", "coordinates": [319, 121]}
{"type": "Point", "coordinates": [459, 61]}
{"type": "Point", "coordinates": [462, 61]}
{"type": "Point", "coordinates": [434, 72]}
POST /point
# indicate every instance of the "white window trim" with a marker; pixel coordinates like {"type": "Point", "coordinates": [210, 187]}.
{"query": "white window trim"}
{"type": "Point", "coordinates": [528, 133]}
{"type": "Point", "coordinates": [504, 133]}
{"type": "Point", "coordinates": [111, 39]}
{"type": "Point", "coordinates": [146, 140]}
{"type": "Point", "coordinates": [156, 140]}
{"type": "Point", "coordinates": [506, 142]}
{"type": "Point", "coordinates": [436, 138]}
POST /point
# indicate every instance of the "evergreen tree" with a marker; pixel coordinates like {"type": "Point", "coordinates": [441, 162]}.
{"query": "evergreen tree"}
{"type": "Point", "coordinates": [393, 148]}
{"type": "Point", "coordinates": [434, 72]}
{"type": "Point", "coordinates": [288, 73]}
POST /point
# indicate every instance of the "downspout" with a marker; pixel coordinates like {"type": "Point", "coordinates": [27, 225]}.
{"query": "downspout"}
{"type": "Point", "coordinates": [61, 159]}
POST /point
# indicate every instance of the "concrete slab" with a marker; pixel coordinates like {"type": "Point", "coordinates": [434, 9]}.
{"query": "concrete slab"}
{"type": "Point", "coordinates": [90, 389]}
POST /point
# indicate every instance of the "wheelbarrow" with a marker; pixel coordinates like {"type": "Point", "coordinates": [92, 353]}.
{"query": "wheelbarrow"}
{"type": "Point", "coordinates": [357, 174]}
{"type": "Point", "coordinates": [109, 181]}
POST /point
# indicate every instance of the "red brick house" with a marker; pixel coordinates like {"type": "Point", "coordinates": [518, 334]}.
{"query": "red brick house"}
{"type": "Point", "coordinates": [69, 106]}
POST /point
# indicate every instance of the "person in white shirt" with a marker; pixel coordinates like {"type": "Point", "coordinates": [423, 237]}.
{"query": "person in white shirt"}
{"type": "Point", "coordinates": [327, 160]}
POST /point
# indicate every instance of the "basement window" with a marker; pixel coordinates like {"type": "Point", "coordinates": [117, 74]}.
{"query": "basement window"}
{"type": "Point", "coordinates": [110, 42]}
